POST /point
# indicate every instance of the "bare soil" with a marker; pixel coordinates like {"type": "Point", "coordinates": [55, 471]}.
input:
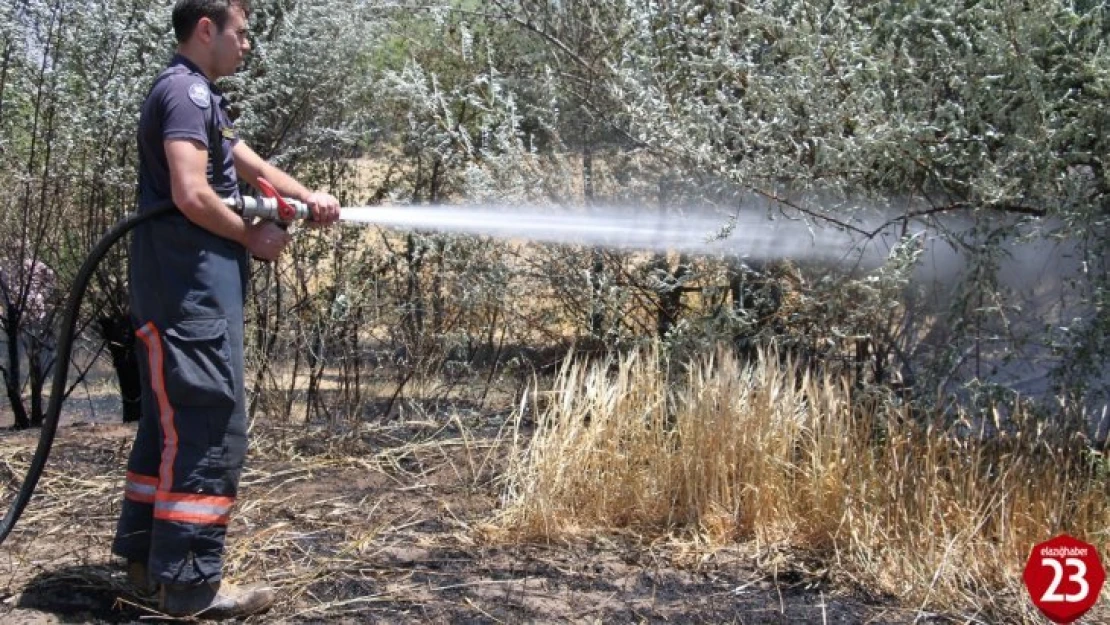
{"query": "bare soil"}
{"type": "Point", "coordinates": [393, 525]}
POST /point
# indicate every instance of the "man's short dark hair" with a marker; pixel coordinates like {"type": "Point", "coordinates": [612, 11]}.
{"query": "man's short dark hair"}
{"type": "Point", "coordinates": [186, 14]}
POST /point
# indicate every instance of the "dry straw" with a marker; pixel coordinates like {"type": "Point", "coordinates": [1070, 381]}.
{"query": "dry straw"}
{"type": "Point", "coordinates": [727, 453]}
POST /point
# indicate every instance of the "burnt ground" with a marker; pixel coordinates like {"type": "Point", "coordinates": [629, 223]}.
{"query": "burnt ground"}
{"type": "Point", "coordinates": [393, 525]}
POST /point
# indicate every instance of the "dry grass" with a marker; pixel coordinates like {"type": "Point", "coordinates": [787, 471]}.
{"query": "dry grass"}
{"type": "Point", "coordinates": [705, 474]}
{"type": "Point", "coordinates": [330, 520]}
{"type": "Point", "coordinates": [937, 516]}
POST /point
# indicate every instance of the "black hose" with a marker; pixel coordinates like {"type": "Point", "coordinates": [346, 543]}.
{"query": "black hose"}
{"type": "Point", "coordinates": [61, 365]}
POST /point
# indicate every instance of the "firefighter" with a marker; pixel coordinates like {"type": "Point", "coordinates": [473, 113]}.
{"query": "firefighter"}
{"type": "Point", "coordinates": [188, 274]}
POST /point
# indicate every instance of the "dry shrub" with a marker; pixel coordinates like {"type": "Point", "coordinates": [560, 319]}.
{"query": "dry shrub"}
{"type": "Point", "coordinates": [936, 514]}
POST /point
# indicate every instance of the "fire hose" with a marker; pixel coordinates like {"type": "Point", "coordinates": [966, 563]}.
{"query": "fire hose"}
{"type": "Point", "coordinates": [271, 207]}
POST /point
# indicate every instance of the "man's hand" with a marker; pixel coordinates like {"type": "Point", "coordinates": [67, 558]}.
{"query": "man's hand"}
{"type": "Point", "coordinates": [324, 207]}
{"type": "Point", "coordinates": [265, 240]}
{"type": "Point", "coordinates": [250, 167]}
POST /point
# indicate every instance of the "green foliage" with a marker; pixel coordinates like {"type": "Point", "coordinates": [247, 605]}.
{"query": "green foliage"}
{"type": "Point", "coordinates": [977, 124]}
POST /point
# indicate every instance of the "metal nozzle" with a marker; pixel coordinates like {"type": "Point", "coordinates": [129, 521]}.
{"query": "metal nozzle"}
{"type": "Point", "coordinates": [266, 208]}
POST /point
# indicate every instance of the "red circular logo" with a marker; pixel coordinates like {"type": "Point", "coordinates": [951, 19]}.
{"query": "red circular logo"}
{"type": "Point", "coordinates": [1064, 577]}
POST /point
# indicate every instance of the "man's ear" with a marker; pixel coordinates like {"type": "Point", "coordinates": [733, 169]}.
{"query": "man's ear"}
{"type": "Point", "coordinates": [206, 29]}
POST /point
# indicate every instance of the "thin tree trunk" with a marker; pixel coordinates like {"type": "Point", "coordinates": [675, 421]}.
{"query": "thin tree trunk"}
{"type": "Point", "coordinates": [414, 259]}
{"type": "Point", "coordinates": [597, 265]}
{"type": "Point", "coordinates": [414, 298]}
{"type": "Point", "coordinates": [38, 371]}
{"type": "Point", "coordinates": [437, 250]}
{"type": "Point", "coordinates": [12, 377]}
{"type": "Point", "coordinates": [121, 346]}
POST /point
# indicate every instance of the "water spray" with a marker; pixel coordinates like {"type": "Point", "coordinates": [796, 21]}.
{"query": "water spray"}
{"type": "Point", "coordinates": [750, 234]}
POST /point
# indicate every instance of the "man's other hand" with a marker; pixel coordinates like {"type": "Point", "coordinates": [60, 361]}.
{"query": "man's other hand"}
{"type": "Point", "coordinates": [266, 240]}
{"type": "Point", "coordinates": [324, 207]}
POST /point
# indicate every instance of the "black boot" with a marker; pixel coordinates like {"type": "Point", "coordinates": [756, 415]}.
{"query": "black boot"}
{"type": "Point", "coordinates": [220, 600]}
{"type": "Point", "coordinates": [140, 580]}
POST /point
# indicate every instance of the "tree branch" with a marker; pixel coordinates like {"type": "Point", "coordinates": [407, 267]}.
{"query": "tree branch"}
{"type": "Point", "coordinates": [959, 206]}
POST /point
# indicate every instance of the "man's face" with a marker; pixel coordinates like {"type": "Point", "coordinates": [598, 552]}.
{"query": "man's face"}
{"type": "Point", "coordinates": [230, 44]}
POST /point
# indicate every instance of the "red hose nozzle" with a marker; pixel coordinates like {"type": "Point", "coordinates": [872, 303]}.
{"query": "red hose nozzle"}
{"type": "Point", "coordinates": [285, 212]}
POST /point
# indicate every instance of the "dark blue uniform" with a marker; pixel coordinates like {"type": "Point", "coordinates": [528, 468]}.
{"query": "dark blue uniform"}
{"type": "Point", "coordinates": [187, 291]}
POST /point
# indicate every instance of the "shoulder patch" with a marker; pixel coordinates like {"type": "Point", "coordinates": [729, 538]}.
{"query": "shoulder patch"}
{"type": "Point", "coordinates": [198, 93]}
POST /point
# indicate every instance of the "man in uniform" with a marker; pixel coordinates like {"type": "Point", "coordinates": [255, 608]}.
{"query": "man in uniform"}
{"type": "Point", "coordinates": [188, 283]}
